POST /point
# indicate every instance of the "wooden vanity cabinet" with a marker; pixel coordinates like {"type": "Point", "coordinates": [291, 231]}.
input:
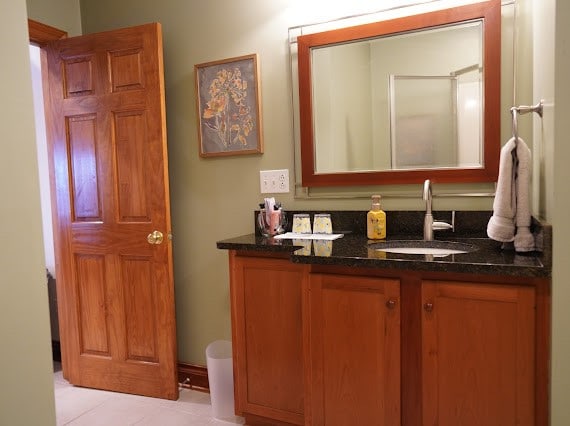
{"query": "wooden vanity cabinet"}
{"type": "Point", "coordinates": [419, 348]}
{"type": "Point", "coordinates": [330, 345]}
{"type": "Point", "coordinates": [478, 354]}
{"type": "Point", "coordinates": [354, 373]}
{"type": "Point", "coordinates": [267, 333]}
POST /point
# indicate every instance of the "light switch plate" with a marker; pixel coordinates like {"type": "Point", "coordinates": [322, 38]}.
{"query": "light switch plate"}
{"type": "Point", "coordinates": [274, 181]}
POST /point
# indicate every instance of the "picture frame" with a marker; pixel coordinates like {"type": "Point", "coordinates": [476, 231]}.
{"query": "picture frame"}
{"type": "Point", "coordinates": [228, 107]}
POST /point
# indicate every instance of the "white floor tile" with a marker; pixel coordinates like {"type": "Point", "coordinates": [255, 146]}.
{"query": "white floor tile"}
{"type": "Point", "coordinates": [168, 417]}
{"type": "Point", "coordinates": [119, 410]}
{"type": "Point", "coordinates": [192, 402]}
{"type": "Point", "coordinates": [72, 402]}
{"type": "Point", "coordinates": [76, 406]}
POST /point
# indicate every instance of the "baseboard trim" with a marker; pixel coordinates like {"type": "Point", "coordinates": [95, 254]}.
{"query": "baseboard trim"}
{"type": "Point", "coordinates": [190, 376]}
{"type": "Point", "coordinates": [193, 376]}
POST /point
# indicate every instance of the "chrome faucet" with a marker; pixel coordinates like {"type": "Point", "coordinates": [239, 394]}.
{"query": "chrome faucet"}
{"type": "Point", "coordinates": [428, 219]}
{"type": "Point", "coordinates": [429, 224]}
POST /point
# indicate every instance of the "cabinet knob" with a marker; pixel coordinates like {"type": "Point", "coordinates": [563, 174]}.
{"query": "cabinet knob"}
{"type": "Point", "coordinates": [428, 306]}
{"type": "Point", "coordinates": [391, 304]}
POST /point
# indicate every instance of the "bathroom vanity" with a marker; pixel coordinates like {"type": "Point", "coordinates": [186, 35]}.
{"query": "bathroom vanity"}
{"type": "Point", "coordinates": [360, 336]}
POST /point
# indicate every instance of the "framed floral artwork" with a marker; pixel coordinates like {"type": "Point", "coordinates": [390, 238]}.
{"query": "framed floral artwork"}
{"type": "Point", "coordinates": [228, 99]}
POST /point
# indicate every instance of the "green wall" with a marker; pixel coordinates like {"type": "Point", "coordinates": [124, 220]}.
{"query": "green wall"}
{"type": "Point", "coordinates": [213, 198]}
{"type": "Point", "coordinates": [25, 358]}
{"type": "Point", "coordinates": [561, 206]}
{"type": "Point", "coordinates": [61, 14]}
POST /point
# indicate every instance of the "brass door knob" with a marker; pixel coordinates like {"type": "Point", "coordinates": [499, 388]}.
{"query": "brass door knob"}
{"type": "Point", "coordinates": [155, 237]}
{"type": "Point", "coordinates": [428, 306]}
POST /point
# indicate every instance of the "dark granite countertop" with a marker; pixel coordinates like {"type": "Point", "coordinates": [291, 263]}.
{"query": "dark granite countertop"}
{"type": "Point", "coordinates": [353, 250]}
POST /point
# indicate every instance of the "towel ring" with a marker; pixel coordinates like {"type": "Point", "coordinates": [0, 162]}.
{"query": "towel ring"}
{"type": "Point", "coordinates": [515, 125]}
{"type": "Point", "coordinates": [523, 109]}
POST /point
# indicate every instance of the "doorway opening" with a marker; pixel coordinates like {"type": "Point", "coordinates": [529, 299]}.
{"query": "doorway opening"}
{"type": "Point", "coordinates": [46, 206]}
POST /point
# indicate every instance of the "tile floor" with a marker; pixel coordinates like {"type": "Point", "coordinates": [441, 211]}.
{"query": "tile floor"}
{"type": "Point", "coordinates": [76, 406]}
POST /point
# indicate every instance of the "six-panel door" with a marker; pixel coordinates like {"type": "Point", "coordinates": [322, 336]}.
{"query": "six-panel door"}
{"type": "Point", "coordinates": [108, 144]}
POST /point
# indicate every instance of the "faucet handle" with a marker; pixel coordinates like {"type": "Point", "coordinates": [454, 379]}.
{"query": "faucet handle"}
{"type": "Point", "coordinates": [440, 225]}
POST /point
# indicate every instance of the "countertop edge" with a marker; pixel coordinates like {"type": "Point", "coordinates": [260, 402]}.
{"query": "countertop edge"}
{"type": "Point", "coordinates": [529, 265]}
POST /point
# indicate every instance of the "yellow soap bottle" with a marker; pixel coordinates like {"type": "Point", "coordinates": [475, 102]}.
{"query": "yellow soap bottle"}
{"type": "Point", "coordinates": [376, 221]}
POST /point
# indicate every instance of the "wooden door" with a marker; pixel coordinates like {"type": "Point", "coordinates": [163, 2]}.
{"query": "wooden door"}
{"type": "Point", "coordinates": [106, 127]}
{"type": "Point", "coordinates": [354, 350]}
{"type": "Point", "coordinates": [478, 354]}
{"type": "Point", "coordinates": [267, 329]}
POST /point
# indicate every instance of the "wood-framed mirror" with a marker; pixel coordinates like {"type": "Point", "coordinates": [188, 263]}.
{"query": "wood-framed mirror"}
{"type": "Point", "coordinates": [372, 112]}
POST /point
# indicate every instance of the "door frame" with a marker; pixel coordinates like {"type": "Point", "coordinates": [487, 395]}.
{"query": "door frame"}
{"type": "Point", "coordinates": [40, 35]}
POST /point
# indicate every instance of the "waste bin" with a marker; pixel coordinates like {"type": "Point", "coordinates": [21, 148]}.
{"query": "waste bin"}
{"type": "Point", "coordinates": [221, 379]}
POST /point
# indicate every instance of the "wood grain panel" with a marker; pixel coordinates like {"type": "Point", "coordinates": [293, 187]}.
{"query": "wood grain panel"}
{"type": "Point", "coordinates": [139, 307]}
{"type": "Point", "coordinates": [126, 70]}
{"type": "Point", "coordinates": [82, 149]}
{"type": "Point", "coordinates": [354, 310]}
{"type": "Point", "coordinates": [478, 355]}
{"type": "Point", "coordinates": [267, 335]}
{"type": "Point", "coordinates": [269, 299]}
{"type": "Point", "coordinates": [42, 34]}
{"type": "Point", "coordinates": [92, 293]}
{"type": "Point", "coordinates": [131, 165]}
{"type": "Point", "coordinates": [142, 340]}
{"type": "Point", "coordinates": [78, 77]}
{"type": "Point", "coordinates": [543, 347]}
{"type": "Point", "coordinates": [411, 350]}
{"type": "Point", "coordinates": [355, 350]}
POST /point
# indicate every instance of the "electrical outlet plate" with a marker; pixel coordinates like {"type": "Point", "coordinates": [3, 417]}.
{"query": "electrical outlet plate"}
{"type": "Point", "coordinates": [274, 181]}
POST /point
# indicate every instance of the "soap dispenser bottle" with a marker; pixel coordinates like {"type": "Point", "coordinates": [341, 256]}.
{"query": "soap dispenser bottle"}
{"type": "Point", "coordinates": [376, 221]}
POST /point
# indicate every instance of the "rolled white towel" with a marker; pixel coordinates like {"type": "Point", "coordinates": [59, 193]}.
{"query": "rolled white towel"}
{"type": "Point", "coordinates": [511, 208]}
{"type": "Point", "coordinates": [501, 226]}
{"type": "Point", "coordinates": [524, 240]}
{"type": "Point", "coordinates": [501, 229]}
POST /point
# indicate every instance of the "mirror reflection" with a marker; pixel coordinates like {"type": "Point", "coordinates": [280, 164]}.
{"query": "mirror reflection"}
{"type": "Point", "coordinates": [426, 85]}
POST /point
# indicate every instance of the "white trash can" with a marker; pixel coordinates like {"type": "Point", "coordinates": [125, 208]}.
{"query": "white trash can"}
{"type": "Point", "coordinates": [221, 380]}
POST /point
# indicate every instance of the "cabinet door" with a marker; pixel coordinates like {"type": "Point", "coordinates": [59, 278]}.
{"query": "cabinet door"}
{"type": "Point", "coordinates": [354, 350]}
{"type": "Point", "coordinates": [267, 338]}
{"type": "Point", "coordinates": [478, 353]}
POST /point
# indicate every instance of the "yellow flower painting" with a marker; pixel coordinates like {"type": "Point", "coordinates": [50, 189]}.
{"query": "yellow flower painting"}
{"type": "Point", "coordinates": [228, 107]}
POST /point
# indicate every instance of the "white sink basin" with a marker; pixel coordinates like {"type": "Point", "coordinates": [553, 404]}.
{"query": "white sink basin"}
{"type": "Point", "coordinates": [423, 250]}
{"type": "Point", "coordinates": [435, 248]}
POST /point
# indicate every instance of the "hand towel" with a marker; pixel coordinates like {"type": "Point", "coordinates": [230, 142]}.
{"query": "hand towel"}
{"type": "Point", "coordinates": [501, 226]}
{"type": "Point", "coordinates": [511, 209]}
{"type": "Point", "coordinates": [524, 240]}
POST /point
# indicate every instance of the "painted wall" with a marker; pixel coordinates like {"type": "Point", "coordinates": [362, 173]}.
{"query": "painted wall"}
{"type": "Point", "coordinates": [558, 195]}
{"type": "Point", "coordinates": [61, 14]}
{"type": "Point", "coordinates": [213, 198]}
{"type": "Point", "coordinates": [25, 359]}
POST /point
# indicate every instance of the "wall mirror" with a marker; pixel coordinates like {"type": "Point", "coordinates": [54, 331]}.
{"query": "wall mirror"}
{"type": "Point", "coordinates": [399, 100]}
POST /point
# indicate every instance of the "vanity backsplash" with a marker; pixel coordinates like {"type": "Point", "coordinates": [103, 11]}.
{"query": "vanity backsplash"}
{"type": "Point", "coordinates": [468, 224]}
{"type": "Point", "coordinates": [472, 224]}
